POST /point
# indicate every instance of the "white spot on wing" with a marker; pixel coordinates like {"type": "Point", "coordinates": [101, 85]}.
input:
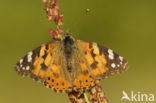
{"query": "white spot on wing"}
{"type": "Point", "coordinates": [118, 65]}
{"type": "Point", "coordinates": [113, 65]}
{"type": "Point", "coordinates": [21, 65]}
{"type": "Point", "coordinates": [21, 60]}
{"type": "Point", "coordinates": [23, 68]}
{"type": "Point", "coordinates": [121, 58]}
{"type": "Point", "coordinates": [111, 54]}
{"type": "Point", "coordinates": [111, 57]}
{"type": "Point", "coordinates": [27, 68]}
{"type": "Point", "coordinates": [30, 56]}
{"type": "Point", "coordinates": [121, 63]}
{"type": "Point", "coordinates": [125, 65]}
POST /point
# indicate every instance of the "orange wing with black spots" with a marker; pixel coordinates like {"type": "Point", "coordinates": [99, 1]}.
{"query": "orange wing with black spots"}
{"type": "Point", "coordinates": [58, 77]}
{"type": "Point", "coordinates": [46, 64]}
{"type": "Point", "coordinates": [82, 80]}
{"type": "Point", "coordinates": [102, 61]}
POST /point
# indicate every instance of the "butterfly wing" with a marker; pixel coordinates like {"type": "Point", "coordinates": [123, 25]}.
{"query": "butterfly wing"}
{"type": "Point", "coordinates": [35, 63]}
{"type": "Point", "coordinates": [59, 78]}
{"type": "Point", "coordinates": [82, 80]}
{"type": "Point", "coordinates": [102, 61]}
{"type": "Point", "coordinates": [46, 64]}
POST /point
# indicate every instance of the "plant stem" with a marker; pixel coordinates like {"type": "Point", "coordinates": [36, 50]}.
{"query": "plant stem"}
{"type": "Point", "coordinates": [86, 98]}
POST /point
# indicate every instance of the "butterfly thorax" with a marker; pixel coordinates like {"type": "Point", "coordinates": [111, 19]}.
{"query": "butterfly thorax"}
{"type": "Point", "coordinates": [68, 46]}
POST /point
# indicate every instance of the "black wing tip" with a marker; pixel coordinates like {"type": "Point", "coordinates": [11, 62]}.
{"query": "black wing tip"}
{"type": "Point", "coordinates": [125, 65]}
{"type": "Point", "coordinates": [17, 68]}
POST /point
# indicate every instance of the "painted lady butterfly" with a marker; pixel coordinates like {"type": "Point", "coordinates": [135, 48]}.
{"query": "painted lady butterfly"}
{"type": "Point", "coordinates": [70, 64]}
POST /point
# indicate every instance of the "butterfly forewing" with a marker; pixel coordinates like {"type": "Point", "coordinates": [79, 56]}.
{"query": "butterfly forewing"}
{"type": "Point", "coordinates": [114, 62]}
{"type": "Point", "coordinates": [35, 63]}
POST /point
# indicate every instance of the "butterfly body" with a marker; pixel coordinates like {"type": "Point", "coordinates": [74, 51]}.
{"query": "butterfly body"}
{"type": "Point", "coordinates": [70, 64]}
{"type": "Point", "coordinates": [69, 49]}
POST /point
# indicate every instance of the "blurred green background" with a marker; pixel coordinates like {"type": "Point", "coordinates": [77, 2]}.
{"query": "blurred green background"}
{"type": "Point", "coordinates": [126, 26]}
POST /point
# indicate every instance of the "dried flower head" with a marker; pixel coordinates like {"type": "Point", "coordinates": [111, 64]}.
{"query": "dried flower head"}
{"type": "Point", "coordinates": [76, 97]}
{"type": "Point", "coordinates": [53, 14]}
{"type": "Point", "coordinates": [95, 95]}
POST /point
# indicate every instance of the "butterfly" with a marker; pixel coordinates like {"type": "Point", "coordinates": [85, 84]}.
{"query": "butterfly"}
{"type": "Point", "coordinates": [70, 64]}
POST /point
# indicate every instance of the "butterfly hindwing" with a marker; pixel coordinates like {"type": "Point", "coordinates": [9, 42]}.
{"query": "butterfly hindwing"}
{"type": "Point", "coordinates": [102, 61]}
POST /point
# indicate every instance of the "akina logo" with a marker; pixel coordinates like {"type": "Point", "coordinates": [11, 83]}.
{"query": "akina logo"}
{"type": "Point", "coordinates": [137, 97]}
